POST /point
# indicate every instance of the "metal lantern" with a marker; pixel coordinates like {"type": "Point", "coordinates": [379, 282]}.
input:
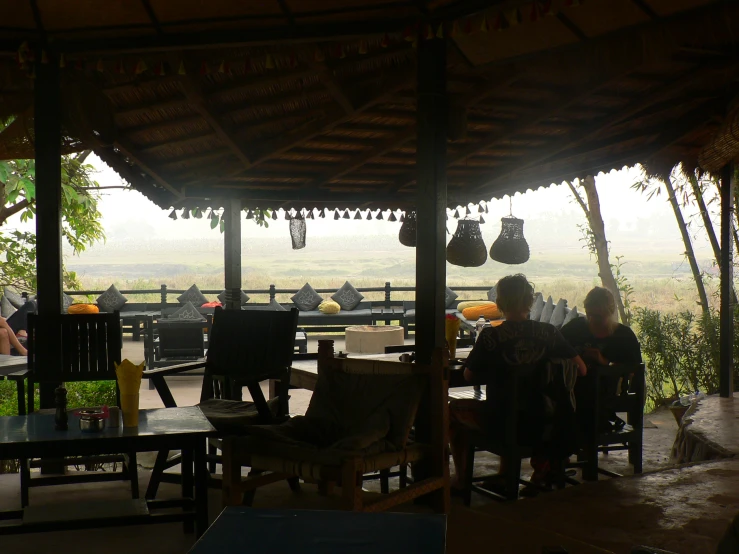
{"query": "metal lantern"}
{"type": "Point", "coordinates": [297, 231]}
{"type": "Point", "coordinates": [510, 247]}
{"type": "Point", "coordinates": [407, 234]}
{"type": "Point", "coordinates": [467, 248]}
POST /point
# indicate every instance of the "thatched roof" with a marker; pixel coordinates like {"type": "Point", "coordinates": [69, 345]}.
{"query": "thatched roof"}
{"type": "Point", "coordinates": [312, 103]}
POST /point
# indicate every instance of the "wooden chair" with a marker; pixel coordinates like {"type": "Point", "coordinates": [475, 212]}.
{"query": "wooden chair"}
{"type": "Point", "coordinates": [91, 345]}
{"type": "Point", "coordinates": [517, 427]}
{"type": "Point", "coordinates": [341, 438]}
{"type": "Point", "coordinates": [246, 348]}
{"type": "Point", "coordinates": [595, 402]}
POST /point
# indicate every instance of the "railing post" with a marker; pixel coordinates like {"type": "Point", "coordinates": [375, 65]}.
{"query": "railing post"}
{"type": "Point", "coordinates": [387, 294]}
{"type": "Point", "coordinates": [163, 293]}
{"type": "Point", "coordinates": [272, 293]}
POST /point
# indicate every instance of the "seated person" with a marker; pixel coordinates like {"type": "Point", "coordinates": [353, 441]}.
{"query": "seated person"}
{"type": "Point", "coordinates": [14, 330]}
{"type": "Point", "coordinates": [601, 340]}
{"type": "Point", "coordinates": [518, 340]}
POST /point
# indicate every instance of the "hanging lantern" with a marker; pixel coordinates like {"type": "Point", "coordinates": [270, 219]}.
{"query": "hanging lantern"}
{"type": "Point", "coordinates": [510, 247]}
{"type": "Point", "coordinates": [173, 215]}
{"type": "Point", "coordinates": [297, 231]}
{"type": "Point", "coordinates": [369, 215]}
{"type": "Point", "coordinates": [467, 248]}
{"type": "Point", "coordinates": [407, 234]}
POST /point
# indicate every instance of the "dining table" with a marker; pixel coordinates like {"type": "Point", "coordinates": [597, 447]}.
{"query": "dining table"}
{"type": "Point", "coordinates": [304, 373]}
{"type": "Point", "coordinates": [11, 364]}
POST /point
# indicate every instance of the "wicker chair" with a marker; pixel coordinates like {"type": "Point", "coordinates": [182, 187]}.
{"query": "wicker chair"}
{"type": "Point", "coordinates": [344, 435]}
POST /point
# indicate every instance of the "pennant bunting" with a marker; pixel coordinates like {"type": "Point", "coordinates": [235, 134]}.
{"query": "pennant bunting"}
{"type": "Point", "coordinates": [204, 69]}
{"type": "Point", "coordinates": [484, 25]}
{"type": "Point", "coordinates": [120, 67]}
{"type": "Point", "coordinates": [269, 62]}
{"type": "Point", "coordinates": [159, 69]}
{"type": "Point", "coordinates": [513, 17]}
{"type": "Point", "coordinates": [337, 215]}
{"type": "Point", "coordinates": [454, 31]}
{"type": "Point", "coordinates": [369, 215]}
{"type": "Point", "coordinates": [181, 70]}
{"type": "Point", "coordinates": [385, 42]}
{"type": "Point", "coordinates": [409, 33]}
{"type": "Point", "coordinates": [429, 34]}
{"type": "Point", "coordinates": [140, 67]}
{"type": "Point", "coordinates": [392, 217]}
{"type": "Point", "coordinates": [274, 215]}
{"type": "Point", "coordinates": [357, 215]}
{"type": "Point", "coordinates": [379, 215]}
{"type": "Point", "coordinates": [440, 31]}
{"type": "Point", "coordinates": [100, 66]}
{"type": "Point", "coordinates": [482, 220]}
{"type": "Point", "coordinates": [346, 215]}
{"type": "Point", "coordinates": [362, 47]}
{"type": "Point", "coordinates": [62, 61]}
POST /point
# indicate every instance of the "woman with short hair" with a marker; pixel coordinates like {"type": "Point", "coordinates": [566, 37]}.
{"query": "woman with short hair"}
{"type": "Point", "coordinates": [518, 340]}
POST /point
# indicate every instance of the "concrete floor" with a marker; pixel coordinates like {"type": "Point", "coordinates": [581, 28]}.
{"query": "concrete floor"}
{"type": "Point", "coordinates": [685, 509]}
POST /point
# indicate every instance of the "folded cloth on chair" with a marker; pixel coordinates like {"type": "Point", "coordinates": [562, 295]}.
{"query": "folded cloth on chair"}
{"type": "Point", "coordinates": [234, 416]}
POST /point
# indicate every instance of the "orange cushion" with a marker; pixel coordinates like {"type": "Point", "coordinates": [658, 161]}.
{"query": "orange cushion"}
{"type": "Point", "coordinates": [474, 313]}
{"type": "Point", "coordinates": [83, 309]}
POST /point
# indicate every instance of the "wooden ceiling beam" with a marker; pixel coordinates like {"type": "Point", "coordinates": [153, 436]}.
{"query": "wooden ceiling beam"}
{"type": "Point", "coordinates": [142, 109]}
{"type": "Point", "coordinates": [155, 148]}
{"type": "Point", "coordinates": [670, 134]}
{"type": "Point", "coordinates": [194, 93]}
{"type": "Point", "coordinates": [197, 159]}
{"type": "Point", "coordinates": [128, 151]}
{"type": "Point", "coordinates": [274, 100]}
{"type": "Point", "coordinates": [163, 126]}
{"type": "Point", "coordinates": [584, 134]}
{"type": "Point", "coordinates": [336, 90]}
{"type": "Point", "coordinates": [248, 83]}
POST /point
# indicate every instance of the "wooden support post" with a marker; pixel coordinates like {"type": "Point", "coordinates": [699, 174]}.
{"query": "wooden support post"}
{"type": "Point", "coordinates": [48, 130]}
{"type": "Point", "coordinates": [232, 249]}
{"type": "Point", "coordinates": [726, 341]}
{"type": "Point", "coordinates": [431, 197]}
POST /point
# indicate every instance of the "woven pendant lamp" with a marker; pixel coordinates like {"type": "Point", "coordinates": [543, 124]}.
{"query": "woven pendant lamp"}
{"type": "Point", "coordinates": [297, 231]}
{"type": "Point", "coordinates": [407, 234]}
{"type": "Point", "coordinates": [510, 247]}
{"type": "Point", "coordinates": [467, 249]}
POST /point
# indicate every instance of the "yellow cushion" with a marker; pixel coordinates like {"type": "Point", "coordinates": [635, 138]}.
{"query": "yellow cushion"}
{"type": "Point", "coordinates": [462, 306]}
{"type": "Point", "coordinates": [329, 307]}
{"type": "Point", "coordinates": [83, 309]}
{"type": "Point", "coordinates": [489, 311]}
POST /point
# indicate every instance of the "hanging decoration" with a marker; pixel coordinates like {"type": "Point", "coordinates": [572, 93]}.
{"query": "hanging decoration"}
{"type": "Point", "coordinates": [197, 213]}
{"type": "Point", "coordinates": [288, 217]}
{"type": "Point", "coordinates": [173, 215]}
{"type": "Point", "coordinates": [297, 231]}
{"type": "Point", "coordinates": [337, 214]}
{"type": "Point", "coordinates": [249, 214]}
{"type": "Point", "coordinates": [392, 217]}
{"type": "Point", "coordinates": [510, 247]}
{"type": "Point", "coordinates": [407, 234]}
{"type": "Point", "coordinates": [346, 215]}
{"type": "Point", "coordinates": [274, 215]}
{"type": "Point", "coordinates": [185, 213]}
{"type": "Point", "coordinates": [358, 215]}
{"type": "Point", "coordinates": [467, 249]}
{"type": "Point", "coordinates": [379, 215]}
{"type": "Point", "coordinates": [323, 213]}
{"type": "Point", "coordinates": [482, 220]}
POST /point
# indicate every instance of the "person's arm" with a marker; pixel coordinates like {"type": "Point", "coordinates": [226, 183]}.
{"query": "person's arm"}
{"type": "Point", "coordinates": [582, 369]}
{"type": "Point", "coordinates": [560, 348]}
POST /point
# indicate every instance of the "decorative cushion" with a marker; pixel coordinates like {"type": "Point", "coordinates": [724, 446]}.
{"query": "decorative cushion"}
{"type": "Point", "coordinates": [547, 311]}
{"type": "Point", "coordinates": [13, 296]}
{"type": "Point", "coordinates": [537, 307]}
{"type": "Point", "coordinates": [192, 295]}
{"type": "Point", "coordinates": [493, 294]}
{"type": "Point", "coordinates": [6, 308]}
{"type": "Point", "coordinates": [188, 311]}
{"type": "Point", "coordinates": [222, 298]}
{"type": "Point", "coordinates": [111, 300]}
{"type": "Point", "coordinates": [573, 314]}
{"type": "Point", "coordinates": [306, 299]}
{"type": "Point", "coordinates": [488, 311]}
{"type": "Point", "coordinates": [76, 309]}
{"type": "Point", "coordinates": [449, 297]}
{"type": "Point", "coordinates": [329, 307]}
{"type": "Point", "coordinates": [462, 306]}
{"type": "Point", "coordinates": [559, 313]}
{"type": "Point", "coordinates": [347, 297]}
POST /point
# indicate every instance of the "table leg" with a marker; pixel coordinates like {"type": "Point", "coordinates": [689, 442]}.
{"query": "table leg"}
{"type": "Point", "coordinates": [201, 489]}
{"type": "Point", "coordinates": [187, 481]}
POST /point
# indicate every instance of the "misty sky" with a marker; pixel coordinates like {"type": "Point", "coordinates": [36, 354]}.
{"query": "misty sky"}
{"type": "Point", "coordinates": [128, 214]}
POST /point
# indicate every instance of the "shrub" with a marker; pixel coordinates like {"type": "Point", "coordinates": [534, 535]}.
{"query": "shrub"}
{"type": "Point", "coordinates": [680, 351]}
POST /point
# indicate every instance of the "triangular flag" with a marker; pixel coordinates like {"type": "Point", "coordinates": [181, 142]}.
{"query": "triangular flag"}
{"type": "Point", "coordinates": [269, 62]}
{"type": "Point", "coordinates": [323, 213]}
{"type": "Point", "coordinates": [62, 61]}
{"type": "Point", "coordinates": [293, 61]}
{"type": "Point", "coordinates": [440, 31]}
{"type": "Point", "coordinates": [44, 57]}
{"type": "Point", "coordinates": [249, 214]}
{"type": "Point", "coordinates": [346, 215]}
{"type": "Point", "coordinates": [402, 218]}
{"type": "Point", "coordinates": [140, 67]}
{"type": "Point", "coordinates": [181, 70]}
{"type": "Point", "coordinates": [486, 209]}
{"type": "Point", "coordinates": [469, 212]}
{"type": "Point", "coordinates": [100, 66]}
{"type": "Point", "coordinates": [429, 32]}
{"type": "Point", "coordinates": [159, 69]}
{"type": "Point", "coordinates": [358, 215]}
{"type": "Point", "coordinates": [482, 220]}
{"type": "Point", "coordinates": [336, 214]}
{"type": "Point", "coordinates": [454, 31]}
{"type": "Point", "coordinates": [514, 17]}
{"type": "Point", "coordinates": [379, 215]}
{"type": "Point", "coordinates": [120, 67]}
{"type": "Point", "coordinates": [409, 33]}
{"type": "Point", "coordinates": [369, 215]}
{"type": "Point", "coordinates": [468, 26]}
{"type": "Point", "coordinates": [385, 42]}
{"type": "Point", "coordinates": [392, 217]}
{"type": "Point", "coordinates": [204, 69]}
{"type": "Point", "coordinates": [501, 22]}
{"type": "Point", "coordinates": [222, 67]}
{"type": "Point", "coordinates": [362, 47]}
{"type": "Point", "coordinates": [458, 214]}
{"type": "Point", "coordinates": [484, 26]}
{"type": "Point", "coordinates": [287, 215]}
{"type": "Point", "coordinates": [535, 12]}
{"type": "Point", "coordinates": [274, 215]}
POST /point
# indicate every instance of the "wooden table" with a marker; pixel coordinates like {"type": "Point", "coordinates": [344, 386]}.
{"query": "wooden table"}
{"type": "Point", "coordinates": [185, 429]}
{"type": "Point", "coordinates": [304, 373]}
{"type": "Point", "coordinates": [259, 531]}
{"type": "Point", "coordinates": [11, 364]}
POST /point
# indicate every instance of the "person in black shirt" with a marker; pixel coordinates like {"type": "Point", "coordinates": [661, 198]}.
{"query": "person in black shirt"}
{"type": "Point", "coordinates": [600, 340]}
{"type": "Point", "coordinates": [516, 341]}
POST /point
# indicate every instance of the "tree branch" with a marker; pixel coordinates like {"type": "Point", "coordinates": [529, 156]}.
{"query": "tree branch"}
{"type": "Point", "coordinates": [10, 211]}
{"type": "Point", "coordinates": [579, 198]}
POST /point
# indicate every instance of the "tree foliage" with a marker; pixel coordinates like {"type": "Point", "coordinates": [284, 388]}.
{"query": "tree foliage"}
{"type": "Point", "coordinates": [81, 225]}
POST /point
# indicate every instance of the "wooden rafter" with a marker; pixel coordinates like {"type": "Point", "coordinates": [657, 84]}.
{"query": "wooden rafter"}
{"type": "Point", "coordinates": [194, 93]}
{"type": "Point", "coordinates": [579, 136]}
{"type": "Point", "coordinates": [336, 90]}
{"type": "Point", "coordinates": [180, 143]}
{"type": "Point", "coordinates": [571, 27]}
{"type": "Point", "coordinates": [128, 151]}
{"type": "Point", "coordinates": [143, 109]}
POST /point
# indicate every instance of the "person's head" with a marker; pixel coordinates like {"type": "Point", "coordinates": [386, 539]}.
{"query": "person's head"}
{"type": "Point", "coordinates": [600, 309]}
{"type": "Point", "coordinates": [515, 295]}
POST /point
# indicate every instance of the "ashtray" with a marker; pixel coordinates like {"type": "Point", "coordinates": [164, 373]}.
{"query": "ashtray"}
{"type": "Point", "coordinates": [91, 420]}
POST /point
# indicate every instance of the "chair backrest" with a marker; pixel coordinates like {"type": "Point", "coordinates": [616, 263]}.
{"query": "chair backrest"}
{"type": "Point", "coordinates": [356, 392]}
{"type": "Point", "coordinates": [181, 338]}
{"type": "Point", "coordinates": [91, 345]}
{"type": "Point", "coordinates": [251, 345]}
{"type": "Point", "coordinates": [601, 397]}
